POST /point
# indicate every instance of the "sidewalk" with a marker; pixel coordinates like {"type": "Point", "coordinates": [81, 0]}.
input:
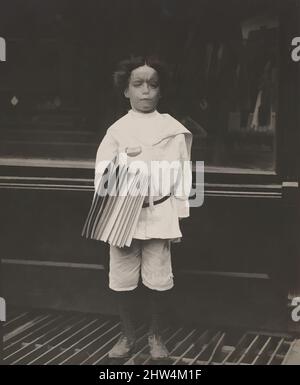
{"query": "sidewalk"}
{"type": "Point", "coordinates": [51, 337]}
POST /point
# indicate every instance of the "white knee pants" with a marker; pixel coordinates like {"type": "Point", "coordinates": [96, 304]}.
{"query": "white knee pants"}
{"type": "Point", "coordinates": [151, 258]}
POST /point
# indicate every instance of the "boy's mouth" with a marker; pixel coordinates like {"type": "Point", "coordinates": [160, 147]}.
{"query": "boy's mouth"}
{"type": "Point", "coordinates": [146, 100]}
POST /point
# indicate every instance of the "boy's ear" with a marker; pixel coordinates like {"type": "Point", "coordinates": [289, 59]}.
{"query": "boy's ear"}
{"type": "Point", "coordinates": [126, 93]}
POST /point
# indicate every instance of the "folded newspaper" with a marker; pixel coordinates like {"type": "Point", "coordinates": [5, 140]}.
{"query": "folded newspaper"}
{"type": "Point", "coordinates": [117, 204]}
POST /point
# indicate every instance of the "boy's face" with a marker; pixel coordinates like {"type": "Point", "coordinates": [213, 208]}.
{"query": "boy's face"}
{"type": "Point", "coordinates": [143, 89]}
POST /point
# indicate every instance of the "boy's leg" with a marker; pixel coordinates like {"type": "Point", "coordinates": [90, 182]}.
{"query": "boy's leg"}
{"type": "Point", "coordinates": [158, 278]}
{"type": "Point", "coordinates": [126, 341]}
{"type": "Point", "coordinates": [158, 301]}
{"type": "Point", "coordinates": [123, 280]}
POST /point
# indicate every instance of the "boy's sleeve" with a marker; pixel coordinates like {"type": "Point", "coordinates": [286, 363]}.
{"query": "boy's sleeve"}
{"type": "Point", "coordinates": [107, 150]}
{"type": "Point", "coordinates": [184, 182]}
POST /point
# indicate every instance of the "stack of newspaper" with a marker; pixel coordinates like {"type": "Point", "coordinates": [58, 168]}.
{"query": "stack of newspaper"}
{"type": "Point", "coordinates": [116, 205]}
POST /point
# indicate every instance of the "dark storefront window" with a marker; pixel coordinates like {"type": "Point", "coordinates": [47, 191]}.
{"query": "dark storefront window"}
{"type": "Point", "coordinates": [56, 96]}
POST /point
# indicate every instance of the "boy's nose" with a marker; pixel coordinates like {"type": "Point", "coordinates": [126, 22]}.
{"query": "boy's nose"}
{"type": "Point", "coordinates": [145, 88]}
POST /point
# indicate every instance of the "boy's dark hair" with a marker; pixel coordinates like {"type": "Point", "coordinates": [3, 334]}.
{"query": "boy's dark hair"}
{"type": "Point", "coordinates": [125, 67]}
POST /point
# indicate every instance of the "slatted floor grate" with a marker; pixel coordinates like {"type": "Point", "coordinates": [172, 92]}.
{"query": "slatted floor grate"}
{"type": "Point", "coordinates": [58, 338]}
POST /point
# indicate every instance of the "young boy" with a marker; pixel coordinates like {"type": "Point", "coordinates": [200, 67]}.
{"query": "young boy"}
{"type": "Point", "coordinates": [155, 136]}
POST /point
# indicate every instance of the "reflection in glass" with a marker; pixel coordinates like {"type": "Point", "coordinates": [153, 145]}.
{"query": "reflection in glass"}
{"type": "Point", "coordinates": [230, 84]}
{"type": "Point", "coordinates": [56, 94]}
